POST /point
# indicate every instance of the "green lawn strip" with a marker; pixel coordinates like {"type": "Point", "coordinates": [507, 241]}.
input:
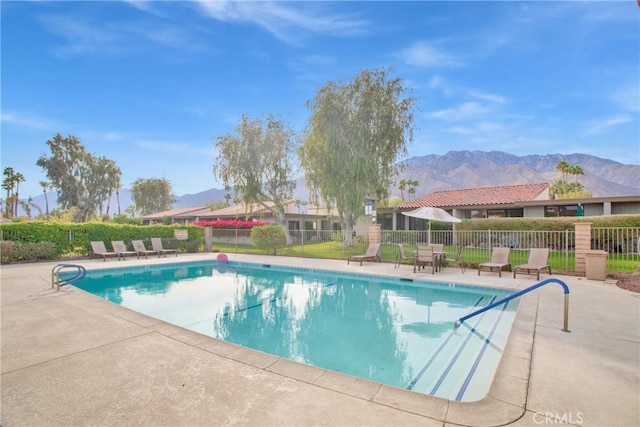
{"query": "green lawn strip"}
{"type": "Point", "coordinates": [559, 261]}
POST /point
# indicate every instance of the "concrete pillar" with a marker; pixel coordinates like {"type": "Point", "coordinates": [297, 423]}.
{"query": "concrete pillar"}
{"type": "Point", "coordinates": [208, 239]}
{"type": "Point", "coordinates": [583, 244]}
{"type": "Point", "coordinates": [375, 234]}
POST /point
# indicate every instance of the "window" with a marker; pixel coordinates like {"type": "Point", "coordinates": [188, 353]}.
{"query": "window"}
{"type": "Point", "coordinates": [473, 214]}
{"type": "Point", "coordinates": [568, 210]}
{"type": "Point", "coordinates": [386, 221]}
{"type": "Point", "coordinates": [505, 213]}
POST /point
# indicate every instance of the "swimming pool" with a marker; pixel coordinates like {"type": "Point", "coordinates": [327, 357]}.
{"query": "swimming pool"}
{"type": "Point", "coordinates": [388, 330]}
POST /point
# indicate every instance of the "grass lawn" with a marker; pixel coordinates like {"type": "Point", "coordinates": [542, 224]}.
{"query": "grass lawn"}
{"type": "Point", "coordinates": [559, 261]}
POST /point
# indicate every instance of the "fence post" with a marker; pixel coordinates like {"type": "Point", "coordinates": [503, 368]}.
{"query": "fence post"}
{"type": "Point", "coordinates": [208, 239]}
{"type": "Point", "coordinates": [583, 244]}
{"type": "Point", "coordinates": [374, 233]}
{"type": "Point", "coordinates": [566, 249]}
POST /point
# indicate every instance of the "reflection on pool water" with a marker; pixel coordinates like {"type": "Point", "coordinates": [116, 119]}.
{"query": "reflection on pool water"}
{"type": "Point", "coordinates": [388, 330]}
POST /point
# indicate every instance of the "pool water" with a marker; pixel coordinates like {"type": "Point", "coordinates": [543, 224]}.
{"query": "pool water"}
{"type": "Point", "coordinates": [384, 329]}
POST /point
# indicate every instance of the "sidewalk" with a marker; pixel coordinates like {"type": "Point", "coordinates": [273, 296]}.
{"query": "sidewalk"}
{"type": "Point", "coordinates": [70, 358]}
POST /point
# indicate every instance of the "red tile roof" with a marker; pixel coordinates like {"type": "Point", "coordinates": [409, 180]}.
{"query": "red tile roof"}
{"type": "Point", "coordinates": [176, 212]}
{"type": "Point", "coordinates": [505, 195]}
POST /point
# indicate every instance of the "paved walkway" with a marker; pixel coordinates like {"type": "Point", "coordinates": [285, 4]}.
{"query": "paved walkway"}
{"type": "Point", "coordinates": [70, 358]}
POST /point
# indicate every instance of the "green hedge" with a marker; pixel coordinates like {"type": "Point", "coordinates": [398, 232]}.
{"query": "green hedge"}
{"type": "Point", "coordinates": [548, 224]}
{"type": "Point", "coordinates": [75, 239]}
{"type": "Point", "coordinates": [16, 251]}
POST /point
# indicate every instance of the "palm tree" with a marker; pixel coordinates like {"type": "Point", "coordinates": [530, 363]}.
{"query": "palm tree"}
{"type": "Point", "coordinates": [28, 206]}
{"type": "Point", "coordinates": [564, 168]}
{"type": "Point", "coordinates": [577, 171]}
{"type": "Point", "coordinates": [401, 186]}
{"type": "Point", "coordinates": [17, 179]}
{"type": "Point", "coordinates": [8, 184]}
{"type": "Point", "coordinates": [45, 186]}
{"type": "Point", "coordinates": [412, 188]}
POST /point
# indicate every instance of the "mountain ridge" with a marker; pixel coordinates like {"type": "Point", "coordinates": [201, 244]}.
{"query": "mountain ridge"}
{"type": "Point", "coordinates": [459, 170]}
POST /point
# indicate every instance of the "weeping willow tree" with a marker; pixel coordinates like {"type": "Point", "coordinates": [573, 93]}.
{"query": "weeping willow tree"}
{"type": "Point", "coordinates": [357, 132]}
{"type": "Point", "coordinates": [258, 162]}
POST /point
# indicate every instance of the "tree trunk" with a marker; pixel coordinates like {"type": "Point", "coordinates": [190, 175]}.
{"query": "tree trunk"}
{"type": "Point", "coordinates": [347, 226]}
{"type": "Point", "coordinates": [282, 222]}
{"type": "Point", "coordinates": [46, 203]}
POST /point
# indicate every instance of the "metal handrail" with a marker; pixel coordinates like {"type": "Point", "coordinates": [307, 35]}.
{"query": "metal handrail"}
{"type": "Point", "coordinates": [565, 327]}
{"type": "Point", "coordinates": [55, 275]}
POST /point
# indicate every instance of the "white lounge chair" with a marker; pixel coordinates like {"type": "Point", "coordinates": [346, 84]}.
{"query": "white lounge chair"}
{"type": "Point", "coordinates": [156, 243]}
{"type": "Point", "coordinates": [99, 249]}
{"type": "Point", "coordinates": [538, 261]}
{"type": "Point", "coordinates": [372, 254]}
{"type": "Point", "coordinates": [121, 249]}
{"type": "Point", "coordinates": [138, 246]}
{"type": "Point", "coordinates": [499, 260]}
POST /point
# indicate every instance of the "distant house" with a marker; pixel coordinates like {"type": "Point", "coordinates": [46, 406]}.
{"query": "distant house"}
{"type": "Point", "coordinates": [527, 200]}
{"type": "Point", "coordinates": [176, 216]}
{"type": "Point", "coordinates": [299, 216]}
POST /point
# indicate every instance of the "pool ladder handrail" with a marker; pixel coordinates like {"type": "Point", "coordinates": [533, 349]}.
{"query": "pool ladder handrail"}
{"type": "Point", "coordinates": [55, 275]}
{"type": "Point", "coordinates": [565, 327]}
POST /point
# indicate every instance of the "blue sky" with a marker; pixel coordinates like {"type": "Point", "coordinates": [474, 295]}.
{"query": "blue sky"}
{"type": "Point", "coordinates": [151, 84]}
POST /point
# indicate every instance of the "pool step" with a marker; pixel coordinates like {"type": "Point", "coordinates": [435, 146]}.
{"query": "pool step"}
{"type": "Point", "coordinates": [467, 357]}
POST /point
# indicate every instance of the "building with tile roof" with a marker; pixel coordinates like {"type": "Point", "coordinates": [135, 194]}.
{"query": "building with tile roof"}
{"type": "Point", "coordinates": [526, 200]}
{"type": "Point", "coordinates": [176, 216]}
{"type": "Point", "coordinates": [299, 216]}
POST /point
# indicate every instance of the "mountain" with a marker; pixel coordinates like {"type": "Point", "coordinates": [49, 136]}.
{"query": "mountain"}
{"type": "Point", "coordinates": [199, 199]}
{"type": "Point", "coordinates": [471, 169]}
{"type": "Point", "coordinates": [457, 170]}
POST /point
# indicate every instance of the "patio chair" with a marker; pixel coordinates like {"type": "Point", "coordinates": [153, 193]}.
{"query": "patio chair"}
{"type": "Point", "coordinates": [138, 246]}
{"type": "Point", "coordinates": [401, 256]}
{"type": "Point", "coordinates": [372, 254]}
{"type": "Point", "coordinates": [499, 260]}
{"type": "Point", "coordinates": [156, 243]}
{"type": "Point", "coordinates": [424, 257]}
{"type": "Point", "coordinates": [99, 250]}
{"type": "Point", "coordinates": [457, 260]}
{"type": "Point", "coordinates": [439, 255]}
{"type": "Point", "coordinates": [538, 261]}
{"type": "Point", "coordinates": [121, 249]}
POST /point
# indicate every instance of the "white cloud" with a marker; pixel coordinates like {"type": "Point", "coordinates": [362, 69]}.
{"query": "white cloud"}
{"type": "Point", "coordinates": [285, 21]}
{"type": "Point", "coordinates": [422, 54]}
{"type": "Point", "coordinates": [439, 83]}
{"type": "Point", "coordinates": [595, 128]}
{"type": "Point", "coordinates": [85, 36]}
{"type": "Point", "coordinates": [182, 148]}
{"type": "Point", "coordinates": [26, 121]}
{"type": "Point", "coordinates": [497, 99]}
{"type": "Point", "coordinates": [144, 5]}
{"type": "Point", "coordinates": [465, 111]}
{"type": "Point", "coordinates": [627, 98]}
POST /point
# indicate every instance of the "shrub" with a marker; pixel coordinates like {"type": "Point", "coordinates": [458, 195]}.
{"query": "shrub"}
{"type": "Point", "coordinates": [269, 237]}
{"type": "Point", "coordinates": [15, 251]}
{"type": "Point", "coordinates": [230, 224]}
{"type": "Point", "coordinates": [125, 219]}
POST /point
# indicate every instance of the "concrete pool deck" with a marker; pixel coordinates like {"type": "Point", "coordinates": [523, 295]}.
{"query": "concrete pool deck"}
{"type": "Point", "coordinates": [70, 358]}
